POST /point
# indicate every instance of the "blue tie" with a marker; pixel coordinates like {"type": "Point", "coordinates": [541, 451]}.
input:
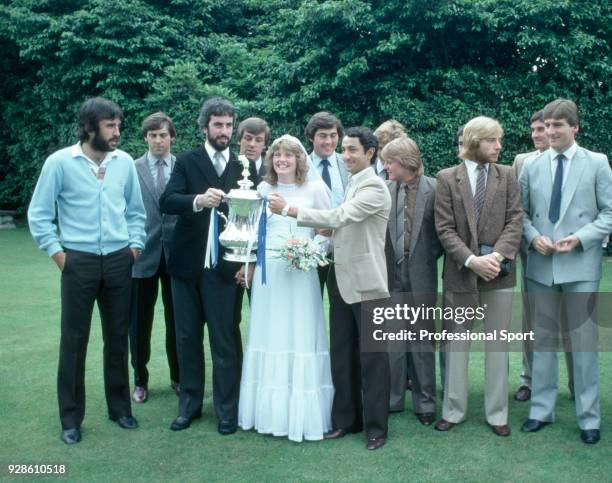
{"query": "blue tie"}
{"type": "Point", "coordinates": [555, 198]}
{"type": "Point", "coordinates": [325, 175]}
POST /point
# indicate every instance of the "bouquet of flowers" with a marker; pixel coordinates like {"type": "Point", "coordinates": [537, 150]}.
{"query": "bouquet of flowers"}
{"type": "Point", "coordinates": [303, 254]}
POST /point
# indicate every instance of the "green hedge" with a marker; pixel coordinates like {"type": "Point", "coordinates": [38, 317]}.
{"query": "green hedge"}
{"type": "Point", "coordinates": [431, 65]}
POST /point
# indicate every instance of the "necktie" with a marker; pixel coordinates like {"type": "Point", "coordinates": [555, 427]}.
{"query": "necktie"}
{"type": "Point", "coordinates": [479, 196]}
{"type": "Point", "coordinates": [218, 163]}
{"type": "Point", "coordinates": [161, 176]}
{"type": "Point", "coordinates": [325, 174]}
{"type": "Point", "coordinates": [555, 198]}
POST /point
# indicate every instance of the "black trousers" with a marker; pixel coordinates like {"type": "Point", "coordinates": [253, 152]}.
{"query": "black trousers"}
{"type": "Point", "coordinates": [144, 297]}
{"type": "Point", "coordinates": [87, 278]}
{"type": "Point", "coordinates": [361, 379]}
{"type": "Point", "coordinates": [206, 299]}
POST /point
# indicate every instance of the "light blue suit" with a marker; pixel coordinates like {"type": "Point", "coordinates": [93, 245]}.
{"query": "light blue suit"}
{"type": "Point", "coordinates": [586, 212]}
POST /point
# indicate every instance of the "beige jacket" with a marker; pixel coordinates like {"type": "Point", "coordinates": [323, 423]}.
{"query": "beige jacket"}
{"type": "Point", "coordinates": [359, 225]}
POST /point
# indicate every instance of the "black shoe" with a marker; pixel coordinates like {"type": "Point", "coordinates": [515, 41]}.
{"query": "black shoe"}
{"type": "Point", "coordinates": [589, 436]}
{"type": "Point", "coordinates": [71, 436]}
{"type": "Point", "coordinates": [180, 423]}
{"type": "Point", "coordinates": [226, 427]}
{"type": "Point", "coordinates": [523, 394]}
{"type": "Point", "coordinates": [426, 419]}
{"type": "Point", "coordinates": [126, 422]}
{"type": "Point", "coordinates": [533, 425]}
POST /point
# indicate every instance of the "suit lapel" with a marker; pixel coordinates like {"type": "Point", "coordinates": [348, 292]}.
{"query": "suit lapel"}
{"type": "Point", "coordinates": [231, 173]}
{"type": "Point", "coordinates": [142, 166]}
{"type": "Point", "coordinates": [393, 226]}
{"type": "Point", "coordinates": [465, 190]}
{"type": "Point", "coordinates": [419, 210]}
{"type": "Point", "coordinates": [573, 178]}
{"type": "Point", "coordinates": [206, 167]}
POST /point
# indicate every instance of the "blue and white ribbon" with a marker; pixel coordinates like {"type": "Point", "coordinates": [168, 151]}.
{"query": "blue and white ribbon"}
{"type": "Point", "coordinates": [261, 239]}
{"type": "Point", "coordinates": [212, 242]}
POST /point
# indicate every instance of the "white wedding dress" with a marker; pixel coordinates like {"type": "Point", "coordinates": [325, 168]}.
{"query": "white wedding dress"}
{"type": "Point", "coordinates": [286, 387]}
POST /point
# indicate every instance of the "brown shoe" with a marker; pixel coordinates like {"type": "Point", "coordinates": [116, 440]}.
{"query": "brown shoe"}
{"type": "Point", "coordinates": [375, 443]}
{"type": "Point", "coordinates": [502, 430]}
{"type": "Point", "coordinates": [523, 394]}
{"type": "Point", "coordinates": [175, 387]}
{"type": "Point", "coordinates": [335, 434]}
{"type": "Point", "coordinates": [425, 419]}
{"type": "Point", "coordinates": [141, 394]}
{"type": "Point", "coordinates": [444, 425]}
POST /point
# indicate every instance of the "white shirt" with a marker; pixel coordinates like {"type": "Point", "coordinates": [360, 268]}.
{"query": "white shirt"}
{"type": "Point", "coordinates": [77, 150]}
{"type": "Point", "coordinates": [354, 178]}
{"type": "Point", "coordinates": [211, 154]}
{"type": "Point", "coordinates": [334, 174]}
{"type": "Point", "coordinates": [569, 154]}
{"type": "Point", "coordinates": [472, 171]}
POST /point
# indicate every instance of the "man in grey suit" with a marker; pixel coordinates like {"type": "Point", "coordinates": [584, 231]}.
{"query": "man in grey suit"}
{"type": "Point", "coordinates": [413, 269]}
{"type": "Point", "coordinates": [323, 131]}
{"type": "Point", "coordinates": [567, 200]}
{"type": "Point", "coordinates": [153, 169]}
{"type": "Point", "coordinates": [541, 144]}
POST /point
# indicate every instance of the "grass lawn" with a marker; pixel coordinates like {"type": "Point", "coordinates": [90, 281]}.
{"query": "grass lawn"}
{"type": "Point", "coordinates": [29, 318]}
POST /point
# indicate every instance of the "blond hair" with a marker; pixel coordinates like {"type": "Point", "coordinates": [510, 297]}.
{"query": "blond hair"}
{"type": "Point", "coordinates": [387, 132]}
{"type": "Point", "coordinates": [406, 152]}
{"type": "Point", "coordinates": [476, 130]}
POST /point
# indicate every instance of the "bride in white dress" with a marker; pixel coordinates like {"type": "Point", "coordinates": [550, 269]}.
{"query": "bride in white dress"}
{"type": "Point", "coordinates": [286, 387]}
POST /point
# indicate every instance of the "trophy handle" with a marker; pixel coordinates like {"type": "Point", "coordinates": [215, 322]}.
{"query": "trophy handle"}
{"type": "Point", "coordinates": [222, 215]}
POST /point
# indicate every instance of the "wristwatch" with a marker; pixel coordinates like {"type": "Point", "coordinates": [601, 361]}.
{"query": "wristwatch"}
{"type": "Point", "coordinates": [285, 210]}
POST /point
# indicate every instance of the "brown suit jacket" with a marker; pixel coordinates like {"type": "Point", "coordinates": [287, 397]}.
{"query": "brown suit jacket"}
{"type": "Point", "coordinates": [500, 224]}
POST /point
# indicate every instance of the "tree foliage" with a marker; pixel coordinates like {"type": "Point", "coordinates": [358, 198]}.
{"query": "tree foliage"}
{"type": "Point", "coordinates": [431, 65]}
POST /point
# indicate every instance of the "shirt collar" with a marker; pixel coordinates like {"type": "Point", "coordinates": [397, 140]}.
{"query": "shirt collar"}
{"type": "Point", "coordinates": [472, 165]}
{"type": "Point", "coordinates": [77, 151]}
{"type": "Point", "coordinates": [211, 152]}
{"type": "Point", "coordinates": [316, 159]}
{"type": "Point", "coordinates": [153, 159]}
{"type": "Point", "coordinates": [379, 165]}
{"type": "Point", "coordinates": [568, 153]}
{"type": "Point", "coordinates": [355, 178]}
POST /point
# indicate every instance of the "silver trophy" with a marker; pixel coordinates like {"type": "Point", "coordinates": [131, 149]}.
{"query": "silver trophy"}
{"type": "Point", "coordinates": [240, 234]}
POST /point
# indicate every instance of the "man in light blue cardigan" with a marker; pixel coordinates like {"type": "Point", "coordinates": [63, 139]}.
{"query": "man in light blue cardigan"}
{"type": "Point", "coordinates": [101, 217]}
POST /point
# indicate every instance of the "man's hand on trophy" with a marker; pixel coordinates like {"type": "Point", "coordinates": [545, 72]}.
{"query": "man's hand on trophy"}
{"type": "Point", "coordinates": [211, 199]}
{"type": "Point", "coordinates": [276, 203]}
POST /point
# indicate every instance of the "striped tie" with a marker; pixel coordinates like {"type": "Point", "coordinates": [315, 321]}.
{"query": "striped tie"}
{"type": "Point", "coordinates": [481, 185]}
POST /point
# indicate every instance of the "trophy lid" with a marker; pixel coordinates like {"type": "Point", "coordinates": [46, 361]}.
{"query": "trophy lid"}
{"type": "Point", "coordinates": [242, 194]}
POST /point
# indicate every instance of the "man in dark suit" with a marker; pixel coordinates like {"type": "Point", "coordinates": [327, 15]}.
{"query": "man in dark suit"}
{"type": "Point", "coordinates": [413, 269]}
{"type": "Point", "coordinates": [149, 270]}
{"type": "Point", "coordinates": [198, 183]}
{"type": "Point", "coordinates": [253, 137]}
{"type": "Point", "coordinates": [478, 210]}
{"type": "Point", "coordinates": [567, 200]}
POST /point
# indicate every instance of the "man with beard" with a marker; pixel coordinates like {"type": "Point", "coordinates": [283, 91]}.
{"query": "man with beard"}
{"type": "Point", "coordinates": [478, 218]}
{"type": "Point", "coordinates": [200, 179]}
{"type": "Point", "coordinates": [101, 218]}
